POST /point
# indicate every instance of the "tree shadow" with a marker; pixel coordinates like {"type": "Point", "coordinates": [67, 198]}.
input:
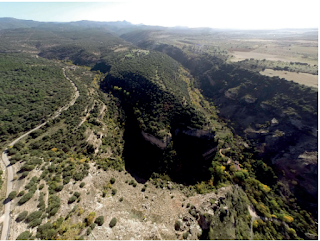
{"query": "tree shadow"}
{"type": "Point", "coordinates": [7, 200]}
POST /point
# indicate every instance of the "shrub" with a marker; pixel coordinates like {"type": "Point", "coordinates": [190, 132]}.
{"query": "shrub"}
{"type": "Point", "coordinates": [54, 205]}
{"type": "Point", "coordinates": [99, 220]}
{"type": "Point", "coordinates": [185, 235]}
{"type": "Point", "coordinates": [58, 188]}
{"type": "Point", "coordinates": [177, 225]}
{"type": "Point", "coordinates": [89, 230]}
{"type": "Point", "coordinates": [12, 195]}
{"type": "Point", "coordinates": [66, 180]}
{"type": "Point", "coordinates": [113, 222]}
{"type": "Point", "coordinates": [82, 184]}
{"type": "Point", "coordinates": [77, 194]}
{"type": "Point", "coordinates": [22, 216]}
{"type": "Point", "coordinates": [114, 192]}
{"type": "Point", "coordinates": [143, 189]}
{"type": "Point", "coordinates": [41, 186]}
{"type": "Point", "coordinates": [53, 211]}
{"type": "Point", "coordinates": [188, 205]}
{"type": "Point", "coordinates": [89, 218]}
{"type": "Point", "coordinates": [21, 193]}
{"type": "Point", "coordinates": [34, 223]}
{"type": "Point", "coordinates": [32, 216]}
{"type": "Point", "coordinates": [134, 184]}
{"type": "Point", "coordinates": [24, 236]}
{"type": "Point", "coordinates": [92, 226]}
{"type": "Point", "coordinates": [121, 199]}
{"type": "Point", "coordinates": [45, 231]}
{"type": "Point", "coordinates": [72, 199]}
{"type": "Point", "coordinates": [24, 174]}
{"type": "Point", "coordinates": [25, 198]}
{"type": "Point", "coordinates": [112, 180]}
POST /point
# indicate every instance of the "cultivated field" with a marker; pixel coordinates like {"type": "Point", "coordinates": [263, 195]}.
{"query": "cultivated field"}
{"type": "Point", "coordinates": [239, 55]}
{"type": "Point", "coordinates": [301, 78]}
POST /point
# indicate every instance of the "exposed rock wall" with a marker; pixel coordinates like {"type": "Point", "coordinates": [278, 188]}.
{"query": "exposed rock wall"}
{"type": "Point", "coordinates": [162, 144]}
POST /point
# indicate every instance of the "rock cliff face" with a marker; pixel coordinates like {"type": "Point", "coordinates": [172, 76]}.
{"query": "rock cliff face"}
{"type": "Point", "coordinates": [162, 144]}
{"type": "Point", "coordinates": [204, 134]}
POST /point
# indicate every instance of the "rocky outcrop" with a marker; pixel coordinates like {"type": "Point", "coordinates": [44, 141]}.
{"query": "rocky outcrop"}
{"type": "Point", "coordinates": [162, 144]}
{"type": "Point", "coordinates": [204, 134]}
{"type": "Point", "coordinates": [274, 122]}
{"type": "Point", "coordinates": [231, 94]}
{"type": "Point", "coordinates": [249, 99]}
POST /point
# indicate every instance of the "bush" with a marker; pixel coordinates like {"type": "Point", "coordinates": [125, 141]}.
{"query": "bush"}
{"type": "Point", "coordinates": [72, 199]}
{"type": "Point", "coordinates": [177, 225]}
{"type": "Point", "coordinates": [76, 194]}
{"type": "Point", "coordinates": [53, 211]}
{"type": "Point", "coordinates": [113, 222]}
{"type": "Point", "coordinates": [12, 195]}
{"type": "Point", "coordinates": [24, 174]}
{"type": "Point", "coordinates": [99, 220]}
{"type": "Point", "coordinates": [34, 223]}
{"type": "Point", "coordinates": [34, 215]}
{"type": "Point", "coordinates": [134, 184]}
{"type": "Point", "coordinates": [89, 218]}
{"type": "Point", "coordinates": [21, 193]}
{"type": "Point", "coordinates": [114, 192]}
{"type": "Point", "coordinates": [89, 230]}
{"type": "Point", "coordinates": [45, 231]}
{"type": "Point", "coordinates": [58, 188]}
{"type": "Point", "coordinates": [41, 186]}
{"type": "Point", "coordinates": [185, 235]}
{"type": "Point", "coordinates": [82, 184]}
{"type": "Point", "coordinates": [104, 193]}
{"type": "Point", "coordinates": [25, 198]}
{"type": "Point", "coordinates": [92, 226]}
{"type": "Point", "coordinates": [143, 189]}
{"type": "Point", "coordinates": [112, 180]}
{"type": "Point", "coordinates": [22, 216]}
{"type": "Point", "coordinates": [24, 236]}
{"type": "Point", "coordinates": [121, 199]}
{"type": "Point", "coordinates": [66, 180]}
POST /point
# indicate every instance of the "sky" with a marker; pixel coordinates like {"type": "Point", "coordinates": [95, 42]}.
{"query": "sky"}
{"type": "Point", "coordinates": [230, 14]}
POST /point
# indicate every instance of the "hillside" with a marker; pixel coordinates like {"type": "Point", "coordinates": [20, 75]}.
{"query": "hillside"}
{"type": "Point", "coordinates": [277, 116]}
{"type": "Point", "coordinates": [155, 139]}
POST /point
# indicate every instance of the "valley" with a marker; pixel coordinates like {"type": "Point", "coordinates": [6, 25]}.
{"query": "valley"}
{"type": "Point", "coordinates": [121, 131]}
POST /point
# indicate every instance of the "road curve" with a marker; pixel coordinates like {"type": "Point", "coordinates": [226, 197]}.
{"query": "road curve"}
{"type": "Point", "coordinates": [6, 223]}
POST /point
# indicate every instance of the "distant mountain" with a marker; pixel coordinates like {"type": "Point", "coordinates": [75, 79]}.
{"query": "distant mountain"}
{"type": "Point", "coordinates": [9, 23]}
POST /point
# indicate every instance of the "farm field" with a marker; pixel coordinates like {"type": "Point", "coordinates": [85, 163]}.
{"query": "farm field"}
{"type": "Point", "coordinates": [301, 78]}
{"type": "Point", "coordinates": [239, 55]}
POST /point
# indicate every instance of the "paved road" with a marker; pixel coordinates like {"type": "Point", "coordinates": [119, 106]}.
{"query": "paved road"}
{"type": "Point", "coordinates": [6, 222]}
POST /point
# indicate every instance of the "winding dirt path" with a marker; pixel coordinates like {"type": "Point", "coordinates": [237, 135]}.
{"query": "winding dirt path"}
{"type": "Point", "coordinates": [6, 220]}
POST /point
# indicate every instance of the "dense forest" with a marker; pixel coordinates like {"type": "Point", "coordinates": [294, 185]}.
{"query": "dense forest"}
{"type": "Point", "coordinates": [32, 89]}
